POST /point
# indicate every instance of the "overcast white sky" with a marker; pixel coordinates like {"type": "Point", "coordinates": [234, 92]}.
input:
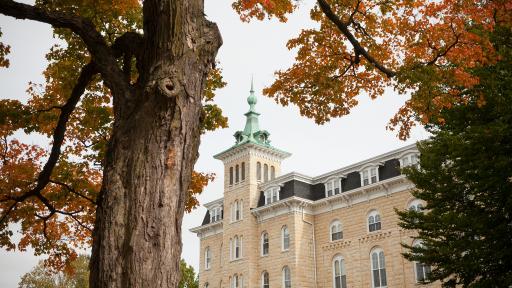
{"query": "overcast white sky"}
{"type": "Point", "coordinates": [258, 49]}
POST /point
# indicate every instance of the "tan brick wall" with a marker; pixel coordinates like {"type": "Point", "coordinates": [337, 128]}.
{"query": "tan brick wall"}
{"type": "Point", "coordinates": [357, 243]}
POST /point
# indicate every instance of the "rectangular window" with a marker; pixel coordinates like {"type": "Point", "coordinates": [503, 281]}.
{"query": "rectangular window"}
{"type": "Point", "coordinates": [337, 187]}
{"type": "Point", "coordinates": [366, 181]}
{"type": "Point", "coordinates": [328, 187]}
{"type": "Point", "coordinates": [337, 236]}
{"type": "Point", "coordinates": [373, 172]}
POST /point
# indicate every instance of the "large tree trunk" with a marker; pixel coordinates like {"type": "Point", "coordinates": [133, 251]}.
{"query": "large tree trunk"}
{"type": "Point", "coordinates": [137, 237]}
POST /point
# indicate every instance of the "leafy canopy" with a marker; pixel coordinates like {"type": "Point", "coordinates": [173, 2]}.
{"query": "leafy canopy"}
{"type": "Point", "coordinates": [364, 46]}
{"type": "Point", "coordinates": [466, 181]}
{"type": "Point", "coordinates": [57, 217]}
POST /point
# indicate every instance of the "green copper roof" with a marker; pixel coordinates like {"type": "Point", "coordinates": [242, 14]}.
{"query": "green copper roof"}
{"type": "Point", "coordinates": [252, 132]}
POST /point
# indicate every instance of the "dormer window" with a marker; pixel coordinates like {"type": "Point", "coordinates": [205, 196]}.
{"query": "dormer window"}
{"type": "Point", "coordinates": [332, 187]}
{"type": "Point", "coordinates": [215, 214]}
{"type": "Point", "coordinates": [272, 195]}
{"type": "Point", "coordinates": [369, 175]}
{"type": "Point", "coordinates": [410, 159]}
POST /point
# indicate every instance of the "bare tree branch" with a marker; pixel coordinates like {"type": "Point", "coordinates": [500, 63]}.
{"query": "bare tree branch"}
{"type": "Point", "coordinates": [70, 189]}
{"type": "Point", "coordinates": [343, 27]}
{"type": "Point", "coordinates": [101, 53]}
{"type": "Point", "coordinates": [88, 71]}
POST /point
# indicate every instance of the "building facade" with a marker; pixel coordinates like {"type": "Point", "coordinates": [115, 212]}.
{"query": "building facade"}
{"type": "Point", "coordinates": [335, 230]}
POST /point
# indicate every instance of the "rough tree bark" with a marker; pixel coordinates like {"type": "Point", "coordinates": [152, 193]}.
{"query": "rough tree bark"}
{"type": "Point", "coordinates": [154, 145]}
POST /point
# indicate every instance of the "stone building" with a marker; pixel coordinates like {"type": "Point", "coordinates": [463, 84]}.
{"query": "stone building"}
{"type": "Point", "coordinates": [338, 229]}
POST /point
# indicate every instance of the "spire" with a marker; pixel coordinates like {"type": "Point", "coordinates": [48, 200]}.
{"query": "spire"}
{"type": "Point", "coordinates": [252, 97]}
{"type": "Point", "coordinates": [251, 123]}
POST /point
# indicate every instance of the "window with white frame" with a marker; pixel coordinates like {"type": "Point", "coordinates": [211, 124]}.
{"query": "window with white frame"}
{"type": "Point", "coordinates": [416, 205]}
{"type": "Point", "coordinates": [207, 258]}
{"type": "Point", "coordinates": [378, 264]}
{"type": "Point", "coordinates": [374, 221]}
{"type": "Point", "coordinates": [421, 271]}
{"type": "Point", "coordinates": [236, 210]}
{"type": "Point", "coordinates": [264, 244]}
{"type": "Point", "coordinates": [285, 238]}
{"type": "Point", "coordinates": [336, 230]}
{"type": "Point", "coordinates": [332, 187]}
{"type": "Point", "coordinates": [369, 176]}
{"type": "Point", "coordinates": [235, 281]}
{"type": "Point", "coordinates": [236, 249]}
{"type": "Point", "coordinates": [287, 277]}
{"type": "Point", "coordinates": [265, 282]}
{"type": "Point", "coordinates": [271, 195]}
{"type": "Point", "coordinates": [215, 214]}
{"type": "Point", "coordinates": [338, 273]}
{"type": "Point", "coordinates": [411, 159]}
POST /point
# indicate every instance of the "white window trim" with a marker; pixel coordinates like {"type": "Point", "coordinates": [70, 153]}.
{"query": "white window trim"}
{"type": "Point", "coordinates": [342, 264]}
{"type": "Point", "coordinates": [270, 192]}
{"type": "Point", "coordinates": [368, 168]}
{"type": "Point", "coordinates": [263, 278]}
{"type": "Point", "coordinates": [373, 213]}
{"type": "Point", "coordinates": [377, 250]}
{"type": "Point", "coordinates": [262, 237]}
{"type": "Point", "coordinates": [415, 244]}
{"type": "Point", "coordinates": [409, 157]}
{"type": "Point", "coordinates": [207, 256]}
{"type": "Point", "coordinates": [415, 203]}
{"type": "Point", "coordinates": [332, 181]}
{"type": "Point", "coordinates": [335, 221]}
{"type": "Point", "coordinates": [282, 238]}
{"type": "Point", "coordinates": [284, 276]}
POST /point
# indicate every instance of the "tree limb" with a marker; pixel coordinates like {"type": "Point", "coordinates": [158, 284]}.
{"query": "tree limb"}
{"type": "Point", "coordinates": [88, 71]}
{"type": "Point", "coordinates": [70, 189]}
{"type": "Point", "coordinates": [101, 53]}
{"type": "Point", "coordinates": [358, 49]}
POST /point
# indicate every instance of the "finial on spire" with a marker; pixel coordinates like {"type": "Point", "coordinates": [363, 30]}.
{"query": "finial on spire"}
{"type": "Point", "coordinates": [252, 97]}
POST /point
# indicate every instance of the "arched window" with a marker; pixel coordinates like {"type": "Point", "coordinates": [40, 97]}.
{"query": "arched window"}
{"type": "Point", "coordinates": [285, 238]}
{"type": "Point", "coordinates": [243, 171]}
{"type": "Point", "coordinates": [235, 281]}
{"type": "Point", "coordinates": [206, 285]}
{"type": "Point", "coordinates": [422, 271]}
{"type": "Point", "coordinates": [230, 175]}
{"type": "Point", "coordinates": [336, 231]}
{"type": "Point", "coordinates": [237, 174]}
{"type": "Point", "coordinates": [264, 244]}
{"type": "Point", "coordinates": [416, 205]}
{"type": "Point", "coordinates": [378, 268]}
{"type": "Point", "coordinates": [332, 187]}
{"type": "Point", "coordinates": [338, 273]}
{"type": "Point", "coordinates": [265, 172]}
{"type": "Point", "coordinates": [265, 283]}
{"type": "Point", "coordinates": [272, 172]}
{"type": "Point", "coordinates": [207, 258]}
{"type": "Point", "coordinates": [369, 176]}
{"type": "Point", "coordinates": [237, 247]}
{"type": "Point", "coordinates": [258, 171]}
{"type": "Point", "coordinates": [287, 277]}
{"type": "Point", "coordinates": [374, 221]}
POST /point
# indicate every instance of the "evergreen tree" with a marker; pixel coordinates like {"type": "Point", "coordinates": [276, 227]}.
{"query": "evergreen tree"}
{"type": "Point", "coordinates": [188, 276]}
{"type": "Point", "coordinates": [466, 181]}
